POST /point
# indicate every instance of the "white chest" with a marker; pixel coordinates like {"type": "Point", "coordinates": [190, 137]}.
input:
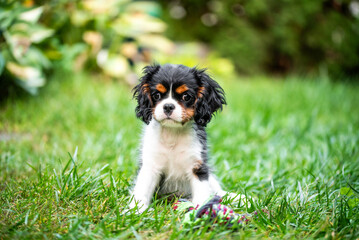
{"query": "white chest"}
{"type": "Point", "coordinates": [173, 152]}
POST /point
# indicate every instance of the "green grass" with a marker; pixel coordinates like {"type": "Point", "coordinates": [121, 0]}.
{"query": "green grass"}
{"type": "Point", "coordinates": [291, 145]}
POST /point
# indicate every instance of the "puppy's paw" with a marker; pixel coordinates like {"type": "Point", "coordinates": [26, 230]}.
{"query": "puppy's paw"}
{"type": "Point", "coordinates": [139, 205]}
{"type": "Point", "coordinates": [198, 201]}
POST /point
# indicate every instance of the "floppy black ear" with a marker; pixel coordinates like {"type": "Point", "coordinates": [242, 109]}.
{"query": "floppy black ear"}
{"type": "Point", "coordinates": [143, 95]}
{"type": "Point", "coordinates": [210, 97]}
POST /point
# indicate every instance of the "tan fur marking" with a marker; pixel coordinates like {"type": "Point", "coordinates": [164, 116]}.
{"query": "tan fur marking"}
{"type": "Point", "coordinates": [181, 89]}
{"type": "Point", "coordinates": [196, 167]}
{"type": "Point", "coordinates": [187, 114]}
{"type": "Point", "coordinates": [145, 88]}
{"type": "Point", "coordinates": [200, 92]}
{"type": "Point", "coordinates": [161, 88]}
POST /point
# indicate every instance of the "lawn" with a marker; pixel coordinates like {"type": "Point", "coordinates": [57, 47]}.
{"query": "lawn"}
{"type": "Point", "coordinates": [68, 158]}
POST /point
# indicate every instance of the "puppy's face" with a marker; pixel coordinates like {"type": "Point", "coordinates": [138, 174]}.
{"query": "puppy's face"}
{"type": "Point", "coordinates": [174, 101]}
{"type": "Point", "coordinates": [175, 94]}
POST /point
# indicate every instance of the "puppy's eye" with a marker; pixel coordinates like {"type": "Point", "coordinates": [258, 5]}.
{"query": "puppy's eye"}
{"type": "Point", "coordinates": [156, 96]}
{"type": "Point", "coordinates": [186, 97]}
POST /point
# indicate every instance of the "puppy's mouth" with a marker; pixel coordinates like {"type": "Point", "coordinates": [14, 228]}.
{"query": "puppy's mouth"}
{"type": "Point", "coordinates": [169, 122]}
{"type": "Point", "coordinates": [169, 119]}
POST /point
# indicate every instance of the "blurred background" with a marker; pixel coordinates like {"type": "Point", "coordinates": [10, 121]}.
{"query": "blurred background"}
{"type": "Point", "coordinates": [117, 38]}
{"type": "Point", "coordinates": [69, 136]}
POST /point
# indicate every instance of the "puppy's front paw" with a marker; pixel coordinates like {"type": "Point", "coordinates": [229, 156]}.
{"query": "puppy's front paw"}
{"type": "Point", "coordinates": [199, 200]}
{"type": "Point", "coordinates": [138, 204]}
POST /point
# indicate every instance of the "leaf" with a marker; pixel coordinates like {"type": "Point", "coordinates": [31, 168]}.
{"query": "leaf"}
{"type": "Point", "coordinates": [39, 33]}
{"type": "Point", "coordinates": [101, 7]}
{"type": "Point", "coordinates": [35, 57]}
{"type": "Point", "coordinates": [136, 24]}
{"type": "Point", "coordinates": [18, 44]}
{"type": "Point", "coordinates": [29, 78]}
{"type": "Point", "coordinates": [149, 7]}
{"type": "Point", "coordinates": [80, 18]}
{"type": "Point", "coordinates": [32, 16]}
{"type": "Point", "coordinates": [112, 65]}
{"type": "Point", "coordinates": [94, 39]}
{"type": "Point", "coordinates": [34, 33]}
{"type": "Point", "coordinates": [9, 14]}
{"type": "Point", "coordinates": [158, 42]}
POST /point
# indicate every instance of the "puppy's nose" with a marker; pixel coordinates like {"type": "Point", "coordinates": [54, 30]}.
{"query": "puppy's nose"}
{"type": "Point", "coordinates": [168, 108]}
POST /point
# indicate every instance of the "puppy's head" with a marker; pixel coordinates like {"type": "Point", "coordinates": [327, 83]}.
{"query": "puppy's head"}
{"type": "Point", "coordinates": [175, 94]}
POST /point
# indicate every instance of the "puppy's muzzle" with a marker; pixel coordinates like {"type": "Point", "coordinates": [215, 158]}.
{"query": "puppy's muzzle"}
{"type": "Point", "coordinates": [168, 109]}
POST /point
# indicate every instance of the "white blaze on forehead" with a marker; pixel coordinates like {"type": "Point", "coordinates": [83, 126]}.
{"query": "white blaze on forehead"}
{"type": "Point", "coordinates": [170, 91]}
{"type": "Point", "coordinates": [176, 115]}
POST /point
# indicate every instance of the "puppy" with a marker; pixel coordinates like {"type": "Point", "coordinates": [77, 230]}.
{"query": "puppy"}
{"type": "Point", "coordinates": [176, 102]}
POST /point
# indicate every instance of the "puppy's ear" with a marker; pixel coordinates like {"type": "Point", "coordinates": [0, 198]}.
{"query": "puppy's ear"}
{"type": "Point", "coordinates": [142, 94]}
{"type": "Point", "coordinates": [210, 97]}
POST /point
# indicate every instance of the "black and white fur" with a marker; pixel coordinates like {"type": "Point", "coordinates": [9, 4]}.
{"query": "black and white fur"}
{"type": "Point", "coordinates": [176, 102]}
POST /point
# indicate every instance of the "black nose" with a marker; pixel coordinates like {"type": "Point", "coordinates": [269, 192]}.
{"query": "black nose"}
{"type": "Point", "coordinates": [168, 108]}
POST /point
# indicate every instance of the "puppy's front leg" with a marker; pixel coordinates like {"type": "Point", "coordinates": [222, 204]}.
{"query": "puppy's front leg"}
{"type": "Point", "coordinates": [201, 190]}
{"type": "Point", "coordinates": [146, 182]}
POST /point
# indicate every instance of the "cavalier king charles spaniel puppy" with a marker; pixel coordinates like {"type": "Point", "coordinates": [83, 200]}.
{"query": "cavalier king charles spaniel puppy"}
{"type": "Point", "coordinates": [176, 103]}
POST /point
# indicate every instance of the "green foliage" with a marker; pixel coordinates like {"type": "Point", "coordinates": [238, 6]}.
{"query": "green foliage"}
{"type": "Point", "coordinates": [275, 36]}
{"type": "Point", "coordinates": [113, 37]}
{"type": "Point", "coordinates": [290, 145]}
{"type": "Point", "coordinates": [21, 52]}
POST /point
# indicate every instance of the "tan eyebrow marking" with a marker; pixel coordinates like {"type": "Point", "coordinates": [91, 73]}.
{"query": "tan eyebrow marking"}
{"type": "Point", "coordinates": [161, 88]}
{"type": "Point", "coordinates": [145, 88]}
{"type": "Point", "coordinates": [181, 89]}
{"type": "Point", "coordinates": [200, 92]}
